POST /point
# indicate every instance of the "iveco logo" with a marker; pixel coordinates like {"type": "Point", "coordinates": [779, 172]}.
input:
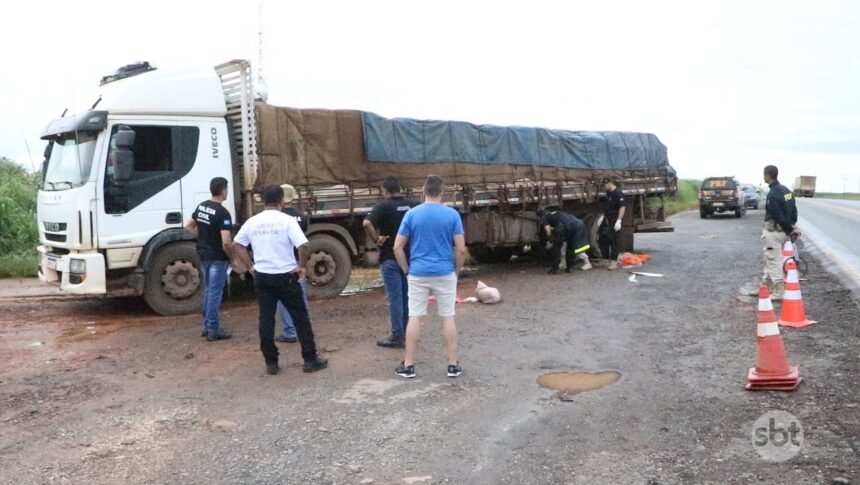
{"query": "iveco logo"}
{"type": "Point", "coordinates": [214, 133]}
{"type": "Point", "coordinates": [52, 226]}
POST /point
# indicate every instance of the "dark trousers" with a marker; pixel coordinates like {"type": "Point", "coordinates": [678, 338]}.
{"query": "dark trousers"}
{"type": "Point", "coordinates": [608, 239]}
{"type": "Point", "coordinates": [272, 288]}
{"type": "Point", "coordinates": [569, 256]}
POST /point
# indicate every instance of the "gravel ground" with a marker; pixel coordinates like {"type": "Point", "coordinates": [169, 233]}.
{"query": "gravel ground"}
{"type": "Point", "coordinates": [102, 391]}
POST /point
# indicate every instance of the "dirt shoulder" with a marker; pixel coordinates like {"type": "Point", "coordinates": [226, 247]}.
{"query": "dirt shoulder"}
{"type": "Point", "coordinates": [103, 391]}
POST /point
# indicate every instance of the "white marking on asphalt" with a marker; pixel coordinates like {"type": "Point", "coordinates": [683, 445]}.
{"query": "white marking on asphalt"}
{"type": "Point", "coordinates": [365, 389]}
{"type": "Point", "coordinates": [413, 394]}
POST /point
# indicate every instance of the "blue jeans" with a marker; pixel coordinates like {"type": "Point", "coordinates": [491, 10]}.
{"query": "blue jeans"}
{"type": "Point", "coordinates": [397, 289]}
{"type": "Point", "coordinates": [214, 277]}
{"type": "Point", "coordinates": [286, 320]}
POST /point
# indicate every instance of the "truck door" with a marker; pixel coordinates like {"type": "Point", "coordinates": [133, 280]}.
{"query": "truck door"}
{"type": "Point", "coordinates": [141, 181]}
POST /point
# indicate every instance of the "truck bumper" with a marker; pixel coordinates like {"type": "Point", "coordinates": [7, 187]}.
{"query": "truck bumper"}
{"type": "Point", "coordinates": [88, 278]}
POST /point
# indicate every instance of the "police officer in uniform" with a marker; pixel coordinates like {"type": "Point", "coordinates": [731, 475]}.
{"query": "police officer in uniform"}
{"type": "Point", "coordinates": [564, 228]}
{"type": "Point", "coordinates": [611, 225]}
{"type": "Point", "coordinates": [780, 218]}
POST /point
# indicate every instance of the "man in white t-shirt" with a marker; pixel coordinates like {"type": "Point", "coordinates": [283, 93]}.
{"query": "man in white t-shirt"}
{"type": "Point", "coordinates": [273, 236]}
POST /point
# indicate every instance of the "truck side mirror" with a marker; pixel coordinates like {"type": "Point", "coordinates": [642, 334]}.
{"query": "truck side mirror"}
{"type": "Point", "coordinates": [121, 154]}
{"type": "Point", "coordinates": [123, 160]}
{"type": "Point", "coordinates": [48, 150]}
{"type": "Point", "coordinates": [123, 138]}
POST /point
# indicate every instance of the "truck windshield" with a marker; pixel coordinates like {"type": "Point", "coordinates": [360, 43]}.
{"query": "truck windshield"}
{"type": "Point", "coordinates": [71, 161]}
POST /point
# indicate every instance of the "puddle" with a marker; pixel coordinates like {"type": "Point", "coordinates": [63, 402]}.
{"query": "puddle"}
{"type": "Point", "coordinates": [576, 382]}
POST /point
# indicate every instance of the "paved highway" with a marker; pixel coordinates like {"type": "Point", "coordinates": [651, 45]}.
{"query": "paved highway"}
{"type": "Point", "coordinates": [833, 229]}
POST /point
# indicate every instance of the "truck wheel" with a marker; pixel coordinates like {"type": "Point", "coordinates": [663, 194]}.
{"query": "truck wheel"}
{"type": "Point", "coordinates": [594, 237]}
{"type": "Point", "coordinates": [486, 255]}
{"type": "Point", "coordinates": [703, 213]}
{"type": "Point", "coordinates": [329, 266]}
{"type": "Point", "coordinates": [174, 282]}
{"type": "Point", "coordinates": [738, 213]}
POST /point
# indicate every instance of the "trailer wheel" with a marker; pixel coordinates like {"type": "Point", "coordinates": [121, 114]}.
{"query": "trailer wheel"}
{"type": "Point", "coordinates": [174, 283]}
{"type": "Point", "coordinates": [329, 266]}
{"type": "Point", "coordinates": [487, 255]}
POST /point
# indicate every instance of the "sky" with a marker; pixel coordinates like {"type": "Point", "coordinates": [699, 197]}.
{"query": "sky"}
{"type": "Point", "coordinates": [727, 86]}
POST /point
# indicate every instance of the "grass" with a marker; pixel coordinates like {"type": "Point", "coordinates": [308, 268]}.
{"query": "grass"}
{"type": "Point", "coordinates": [839, 195]}
{"type": "Point", "coordinates": [19, 235]}
{"type": "Point", "coordinates": [21, 265]}
{"type": "Point", "coordinates": [686, 199]}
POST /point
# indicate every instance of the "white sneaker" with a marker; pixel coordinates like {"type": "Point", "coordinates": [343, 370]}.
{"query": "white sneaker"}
{"type": "Point", "coordinates": [587, 266]}
{"type": "Point", "coordinates": [613, 265]}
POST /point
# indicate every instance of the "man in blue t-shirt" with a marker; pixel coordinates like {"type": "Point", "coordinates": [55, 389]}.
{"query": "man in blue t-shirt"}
{"type": "Point", "coordinates": [437, 251]}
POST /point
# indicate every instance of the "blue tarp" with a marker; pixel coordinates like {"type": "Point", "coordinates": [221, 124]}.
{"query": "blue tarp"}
{"type": "Point", "coordinates": [415, 141]}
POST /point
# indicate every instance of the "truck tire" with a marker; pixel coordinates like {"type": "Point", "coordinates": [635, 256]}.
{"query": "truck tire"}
{"type": "Point", "coordinates": [329, 266]}
{"type": "Point", "coordinates": [174, 281]}
{"type": "Point", "coordinates": [738, 213]}
{"type": "Point", "coordinates": [487, 255]}
{"type": "Point", "coordinates": [703, 213]}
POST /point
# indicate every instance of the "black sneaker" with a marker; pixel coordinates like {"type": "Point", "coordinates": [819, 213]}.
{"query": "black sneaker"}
{"type": "Point", "coordinates": [455, 370]}
{"type": "Point", "coordinates": [568, 269]}
{"type": "Point", "coordinates": [407, 372]}
{"type": "Point", "coordinates": [391, 342]}
{"type": "Point", "coordinates": [289, 340]}
{"type": "Point", "coordinates": [272, 369]}
{"type": "Point", "coordinates": [319, 363]}
{"type": "Point", "coordinates": [552, 270]}
{"type": "Point", "coordinates": [221, 334]}
{"type": "Point", "coordinates": [204, 333]}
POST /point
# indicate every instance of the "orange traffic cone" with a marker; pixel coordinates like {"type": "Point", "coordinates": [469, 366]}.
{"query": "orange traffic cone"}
{"type": "Point", "coordinates": [772, 372]}
{"type": "Point", "coordinates": [787, 252]}
{"type": "Point", "coordinates": [793, 313]}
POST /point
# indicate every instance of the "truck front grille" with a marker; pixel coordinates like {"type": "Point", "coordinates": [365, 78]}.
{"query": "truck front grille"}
{"type": "Point", "coordinates": [54, 226]}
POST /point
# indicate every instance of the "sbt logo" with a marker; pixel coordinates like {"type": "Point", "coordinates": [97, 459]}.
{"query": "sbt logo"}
{"type": "Point", "coordinates": [777, 436]}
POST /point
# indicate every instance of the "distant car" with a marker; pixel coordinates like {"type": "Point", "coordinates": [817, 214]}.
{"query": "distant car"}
{"type": "Point", "coordinates": [719, 195]}
{"type": "Point", "coordinates": [753, 195]}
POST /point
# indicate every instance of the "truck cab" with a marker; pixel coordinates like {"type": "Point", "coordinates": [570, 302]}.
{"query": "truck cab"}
{"type": "Point", "coordinates": [121, 180]}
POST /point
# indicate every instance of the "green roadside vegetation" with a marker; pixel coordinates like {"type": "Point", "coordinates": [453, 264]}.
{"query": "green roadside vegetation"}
{"type": "Point", "coordinates": [19, 235]}
{"type": "Point", "coordinates": [841, 196]}
{"type": "Point", "coordinates": [686, 199]}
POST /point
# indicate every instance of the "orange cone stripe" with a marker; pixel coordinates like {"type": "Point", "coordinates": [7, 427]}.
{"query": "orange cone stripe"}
{"type": "Point", "coordinates": [768, 329]}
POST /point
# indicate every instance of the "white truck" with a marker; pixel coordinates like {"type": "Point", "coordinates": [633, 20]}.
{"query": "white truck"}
{"type": "Point", "coordinates": [111, 219]}
{"type": "Point", "coordinates": [121, 180]}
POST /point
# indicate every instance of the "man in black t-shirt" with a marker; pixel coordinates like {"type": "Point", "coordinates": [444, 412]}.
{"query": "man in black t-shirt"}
{"type": "Point", "coordinates": [289, 329]}
{"type": "Point", "coordinates": [611, 225]}
{"type": "Point", "coordinates": [212, 224]}
{"type": "Point", "coordinates": [381, 226]}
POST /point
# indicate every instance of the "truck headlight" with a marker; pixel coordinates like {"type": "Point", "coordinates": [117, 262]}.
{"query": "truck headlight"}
{"type": "Point", "coordinates": [78, 266]}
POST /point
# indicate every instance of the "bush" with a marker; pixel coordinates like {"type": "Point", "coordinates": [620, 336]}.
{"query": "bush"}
{"type": "Point", "coordinates": [19, 235]}
{"type": "Point", "coordinates": [686, 199]}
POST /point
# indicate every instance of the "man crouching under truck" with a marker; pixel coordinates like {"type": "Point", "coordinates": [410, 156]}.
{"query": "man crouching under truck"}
{"type": "Point", "coordinates": [564, 228]}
